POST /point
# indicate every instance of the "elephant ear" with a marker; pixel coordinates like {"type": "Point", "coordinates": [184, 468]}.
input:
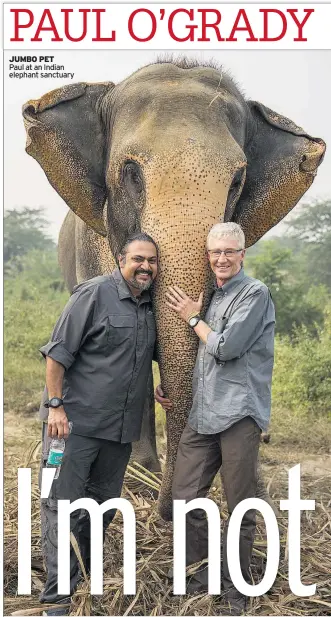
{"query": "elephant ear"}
{"type": "Point", "coordinates": [282, 161]}
{"type": "Point", "coordinates": [66, 136]}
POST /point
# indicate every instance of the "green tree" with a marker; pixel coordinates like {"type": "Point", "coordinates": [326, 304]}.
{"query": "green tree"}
{"type": "Point", "coordinates": [24, 230]}
{"type": "Point", "coordinates": [34, 297]}
{"type": "Point", "coordinates": [311, 225]}
{"type": "Point", "coordinates": [295, 302]}
{"type": "Point", "coordinates": [302, 374]}
{"type": "Point", "coordinates": [312, 222]}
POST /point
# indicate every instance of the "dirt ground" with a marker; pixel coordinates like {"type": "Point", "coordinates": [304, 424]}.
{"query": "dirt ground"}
{"type": "Point", "coordinates": [154, 540]}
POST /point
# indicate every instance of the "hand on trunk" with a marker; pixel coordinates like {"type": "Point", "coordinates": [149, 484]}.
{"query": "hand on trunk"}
{"type": "Point", "coordinates": [165, 403]}
{"type": "Point", "coordinates": [183, 304]}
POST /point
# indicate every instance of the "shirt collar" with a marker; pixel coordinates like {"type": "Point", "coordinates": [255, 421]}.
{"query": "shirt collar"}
{"type": "Point", "coordinates": [232, 283]}
{"type": "Point", "coordinates": [124, 290]}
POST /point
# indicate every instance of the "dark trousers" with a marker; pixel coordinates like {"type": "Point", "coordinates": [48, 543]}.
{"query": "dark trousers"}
{"type": "Point", "coordinates": [92, 468]}
{"type": "Point", "coordinates": [199, 458]}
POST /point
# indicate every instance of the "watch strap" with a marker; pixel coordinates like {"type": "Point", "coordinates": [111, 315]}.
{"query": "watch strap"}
{"type": "Point", "coordinates": [59, 402]}
{"type": "Point", "coordinates": [196, 318]}
{"type": "Point", "coordinates": [195, 314]}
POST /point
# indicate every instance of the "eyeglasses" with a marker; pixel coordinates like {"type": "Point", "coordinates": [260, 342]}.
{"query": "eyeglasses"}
{"type": "Point", "coordinates": [228, 253]}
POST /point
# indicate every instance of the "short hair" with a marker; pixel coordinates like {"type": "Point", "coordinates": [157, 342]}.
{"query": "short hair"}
{"type": "Point", "coordinates": [140, 236]}
{"type": "Point", "coordinates": [225, 230]}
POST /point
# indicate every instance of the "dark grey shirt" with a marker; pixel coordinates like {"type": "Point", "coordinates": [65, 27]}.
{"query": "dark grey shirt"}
{"type": "Point", "coordinates": [105, 340]}
{"type": "Point", "coordinates": [233, 371]}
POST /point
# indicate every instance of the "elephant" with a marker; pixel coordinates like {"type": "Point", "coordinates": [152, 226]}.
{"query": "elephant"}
{"type": "Point", "coordinates": [171, 150]}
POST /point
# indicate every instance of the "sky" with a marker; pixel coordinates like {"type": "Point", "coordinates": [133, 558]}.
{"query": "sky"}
{"type": "Point", "coordinates": [294, 83]}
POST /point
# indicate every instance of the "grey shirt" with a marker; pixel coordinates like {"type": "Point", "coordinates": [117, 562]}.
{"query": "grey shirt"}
{"type": "Point", "coordinates": [233, 370]}
{"type": "Point", "coordinates": [105, 340]}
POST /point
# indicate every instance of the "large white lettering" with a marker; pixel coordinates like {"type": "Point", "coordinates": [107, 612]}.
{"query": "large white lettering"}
{"type": "Point", "coordinates": [214, 548]}
{"type": "Point", "coordinates": [293, 504]}
{"type": "Point", "coordinates": [96, 512]}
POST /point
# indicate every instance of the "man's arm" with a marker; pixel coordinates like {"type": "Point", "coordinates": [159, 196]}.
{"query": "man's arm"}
{"type": "Point", "coordinates": [202, 330]}
{"type": "Point", "coordinates": [244, 327]}
{"type": "Point", "coordinates": [57, 418]}
{"type": "Point", "coordinates": [72, 328]}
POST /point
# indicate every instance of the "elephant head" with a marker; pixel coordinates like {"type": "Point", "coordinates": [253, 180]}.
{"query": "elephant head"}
{"type": "Point", "coordinates": [171, 150]}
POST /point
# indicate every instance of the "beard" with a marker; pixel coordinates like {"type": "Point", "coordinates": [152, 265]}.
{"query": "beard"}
{"type": "Point", "coordinates": [144, 285]}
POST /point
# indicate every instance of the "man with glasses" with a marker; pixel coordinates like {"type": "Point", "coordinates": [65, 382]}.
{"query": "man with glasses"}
{"type": "Point", "coordinates": [231, 399]}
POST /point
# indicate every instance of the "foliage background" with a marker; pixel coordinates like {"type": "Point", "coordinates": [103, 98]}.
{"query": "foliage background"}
{"type": "Point", "coordinates": [296, 267]}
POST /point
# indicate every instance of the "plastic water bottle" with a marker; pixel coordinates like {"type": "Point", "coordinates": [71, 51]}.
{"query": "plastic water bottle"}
{"type": "Point", "coordinates": [56, 451]}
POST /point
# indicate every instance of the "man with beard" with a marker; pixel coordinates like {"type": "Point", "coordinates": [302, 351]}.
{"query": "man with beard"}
{"type": "Point", "coordinates": [97, 367]}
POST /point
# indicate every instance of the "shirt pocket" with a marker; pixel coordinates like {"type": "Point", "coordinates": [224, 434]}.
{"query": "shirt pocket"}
{"type": "Point", "coordinates": [151, 329]}
{"type": "Point", "coordinates": [233, 372]}
{"type": "Point", "coordinates": [120, 329]}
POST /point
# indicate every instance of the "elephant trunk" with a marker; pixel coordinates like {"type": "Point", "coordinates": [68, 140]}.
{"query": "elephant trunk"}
{"type": "Point", "coordinates": [183, 263]}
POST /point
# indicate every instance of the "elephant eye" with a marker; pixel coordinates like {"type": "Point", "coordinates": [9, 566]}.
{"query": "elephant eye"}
{"type": "Point", "coordinates": [132, 178]}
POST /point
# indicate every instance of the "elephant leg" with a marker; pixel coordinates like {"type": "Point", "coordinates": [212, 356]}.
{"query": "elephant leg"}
{"type": "Point", "coordinates": [262, 492]}
{"type": "Point", "coordinates": [144, 451]}
{"type": "Point", "coordinates": [67, 251]}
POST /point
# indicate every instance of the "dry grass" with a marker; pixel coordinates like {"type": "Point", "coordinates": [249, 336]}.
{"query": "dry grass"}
{"type": "Point", "coordinates": [154, 542]}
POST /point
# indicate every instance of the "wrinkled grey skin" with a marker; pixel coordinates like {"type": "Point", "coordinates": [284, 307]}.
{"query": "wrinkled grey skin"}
{"type": "Point", "coordinates": [171, 150]}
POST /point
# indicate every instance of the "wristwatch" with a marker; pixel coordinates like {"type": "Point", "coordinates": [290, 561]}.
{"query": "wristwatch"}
{"type": "Point", "coordinates": [194, 321]}
{"type": "Point", "coordinates": [54, 402]}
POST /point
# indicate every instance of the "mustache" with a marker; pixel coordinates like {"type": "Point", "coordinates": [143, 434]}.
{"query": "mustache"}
{"type": "Point", "coordinates": [140, 271]}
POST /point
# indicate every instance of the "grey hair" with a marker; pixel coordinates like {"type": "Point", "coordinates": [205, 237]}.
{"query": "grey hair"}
{"type": "Point", "coordinates": [225, 230]}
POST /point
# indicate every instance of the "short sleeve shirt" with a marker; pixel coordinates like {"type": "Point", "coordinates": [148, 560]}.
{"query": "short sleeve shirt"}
{"type": "Point", "coordinates": [105, 339]}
